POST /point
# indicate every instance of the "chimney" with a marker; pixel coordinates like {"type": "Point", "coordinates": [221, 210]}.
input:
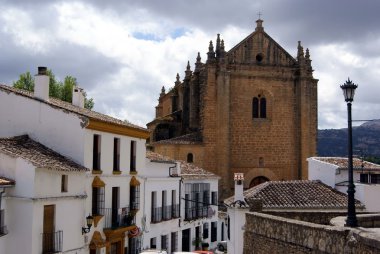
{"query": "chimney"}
{"type": "Point", "coordinates": [78, 97]}
{"type": "Point", "coordinates": [239, 179]}
{"type": "Point", "coordinates": [41, 84]}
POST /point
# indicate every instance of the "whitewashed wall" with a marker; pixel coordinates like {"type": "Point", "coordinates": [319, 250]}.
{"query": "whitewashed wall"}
{"type": "Point", "coordinates": [325, 172]}
{"type": "Point", "coordinates": [55, 128]}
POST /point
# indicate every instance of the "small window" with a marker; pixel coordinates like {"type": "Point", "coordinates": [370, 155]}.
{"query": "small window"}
{"type": "Point", "coordinates": [96, 152]}
{"type": "Point", "coordinates": [133, 156]}
{"type": "Point", "coordinates": [255, 108]}
{"type": "Point", "coordinates": [263, 108]}
{"type": "Point", "coordinates": [190, 158]}
{"type": "Point", "coordinates": [205, 230]}
{"type": "Point", "coordinates": [116, 154]}
{"type": "Point", "coordinates": [214, 198]}
{"type": "Point", "coordinates": [64, 180]}
{"type": "Point", "coordinates": [375, 178]}
{"type": "Point", "coordinates": [214, 231]}
{"type": "Point", "coordinates": [364, 178]}
{"type": "Point", "coordinates": [261, 162]}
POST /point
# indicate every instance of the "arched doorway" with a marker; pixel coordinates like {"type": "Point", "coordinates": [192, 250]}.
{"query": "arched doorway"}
{"type": "Point", "coordinates": [258, 180]}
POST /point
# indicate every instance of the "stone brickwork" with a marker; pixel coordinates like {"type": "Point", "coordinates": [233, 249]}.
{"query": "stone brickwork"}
{"type": "Point", "coordinates": [216, 100]}
{"type": "Point", "coordinates": [181, 151]}
{"type": "Point", "coordinates": [271, 234]}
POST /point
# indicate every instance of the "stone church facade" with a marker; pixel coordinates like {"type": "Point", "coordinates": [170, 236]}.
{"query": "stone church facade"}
{"type": "Point", "coordinates": [252, 109]}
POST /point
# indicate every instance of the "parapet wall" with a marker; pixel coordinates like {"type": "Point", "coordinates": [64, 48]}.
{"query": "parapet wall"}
{"type": "Point", "coordinates": [272, 234]}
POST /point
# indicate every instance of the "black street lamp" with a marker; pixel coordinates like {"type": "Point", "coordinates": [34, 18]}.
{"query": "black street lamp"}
{"type": "Point", "coordinates": [349, 92]}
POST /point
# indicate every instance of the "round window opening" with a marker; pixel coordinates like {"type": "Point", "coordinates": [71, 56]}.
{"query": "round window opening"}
{"type": "Point", "coordinates": [259, 58]}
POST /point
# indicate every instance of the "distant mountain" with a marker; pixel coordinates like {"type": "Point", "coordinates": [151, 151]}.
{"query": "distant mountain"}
{"type": "Point", "coordinates": [365, 139]}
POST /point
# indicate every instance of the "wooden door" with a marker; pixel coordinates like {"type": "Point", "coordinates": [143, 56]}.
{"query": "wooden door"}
{"type": "Point", "coordinates": [48, 227]}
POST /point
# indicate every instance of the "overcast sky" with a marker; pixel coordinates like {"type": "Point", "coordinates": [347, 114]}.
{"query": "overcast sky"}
{"type": "Point", "coordinates": [122, 52]}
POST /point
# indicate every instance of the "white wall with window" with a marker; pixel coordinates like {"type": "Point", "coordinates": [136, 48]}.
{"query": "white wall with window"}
{"type": "Point", "coordinates": [333, 172]}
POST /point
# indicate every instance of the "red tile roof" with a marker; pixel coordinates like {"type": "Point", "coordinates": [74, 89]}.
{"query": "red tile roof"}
{"type": "Point", "coordinates": [188, 139]}
{"type": "Point", "coordinates": [188, 170]}
{"type": "Point", "coordinates": [71, 108]}
{"type": "Point", "coordinates": [37, 154]}
{"type": "Point", "coordinates": [298, 194]}
{"type": "Point", "coordinates": [342, 163]}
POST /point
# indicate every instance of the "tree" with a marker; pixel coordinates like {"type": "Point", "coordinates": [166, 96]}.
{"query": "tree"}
{"type": "Point", "coordinates": [57, 89]}
{"type": "Point", "coordinates": [25, 82]}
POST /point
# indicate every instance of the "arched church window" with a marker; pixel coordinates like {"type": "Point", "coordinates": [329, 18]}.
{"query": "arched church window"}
{"type": "Point", "coordinates": [190, 158]}
{"type": "Point", "coordinates": [259, 107]}
{"type": "Point", "coordinates": [255, 108]}
{"type": "Point", "coordinates": [263, 108]}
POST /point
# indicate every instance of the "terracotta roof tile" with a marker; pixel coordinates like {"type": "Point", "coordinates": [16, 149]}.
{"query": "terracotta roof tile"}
{"type": "Point", "coordinates": [6, 181]}
{"type": "Point", "coordinates": [188, 139]}
{"type": "Point", "coordinates": [342, 162]}
{"type": "Point", "coordinates": [156, 157]}
{"type": "Point", "coordinates": [188, 170]}
{"type": "Point", "coordinates": [38, 154]}
{"type": "Point", "coordinates": [298, 194]}
{"type": "Point", "coordinates": [71, 108]}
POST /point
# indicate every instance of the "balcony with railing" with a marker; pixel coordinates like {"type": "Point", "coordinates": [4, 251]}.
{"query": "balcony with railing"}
{"type": "Point", "coordinates": [175, 211]}
{"type": "Point", "coordinates": [118, 218]}
{"type": "Point", "coordinates": [52, 242]}
{"type": "Point", "coordinates": [156, 214]}
{"type": "Point", "coordinates": [167, 212]}
{"type": "Point", "coordinates": [194, 213]}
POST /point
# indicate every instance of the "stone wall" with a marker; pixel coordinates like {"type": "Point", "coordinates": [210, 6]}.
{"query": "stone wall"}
{"type": "Point", "coordinates": [319, 217]}
{"type": "Point", "coordinates": [271, 234]}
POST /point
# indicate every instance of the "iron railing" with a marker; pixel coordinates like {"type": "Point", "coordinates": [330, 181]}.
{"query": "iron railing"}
{"type": "Point", "coordinates": [52, 242]}
{"type": "Point", "coordinates": [156, 214]}
{"type": "Point", "coordinates": [116, 218]}
{"type": "Point", "coordinates": [167, 212]}
{"type": "Point", "coordinates": [193, 213]}
{"type": "Point", "coordinates": [175, 211]}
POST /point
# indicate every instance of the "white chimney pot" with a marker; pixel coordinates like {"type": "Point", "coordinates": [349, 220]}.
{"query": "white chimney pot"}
{"type": "Point", "coordinates": [239, 186]}
{"type": "Point", "coordinates": [41, 84]}
{"type": "Point", "coordinates": [78, 97]}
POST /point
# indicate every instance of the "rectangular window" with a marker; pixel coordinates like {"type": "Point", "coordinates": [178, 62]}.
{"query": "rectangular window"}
{"type": "Point", "coordinates": [174, 241]}
{"type": "Point", "coordinates": [64, 180]}
{"type": "Point", "coordinates": [135, 197]}
{"type": "Point", "coordinates": [214, 198]}
{"type": "Point", "coordinates": [205, 230]}
{"type": "Point", "coordinates": [222, 234]}
{"type": "Point", "coordinates": [375, 178]}
{"type": "Point", "coordinates": [97, 200]}
{"type": "Point", "coordinates": [96, 152]}
{"type": "Point", "coordinates": [214, 231]}
{"type": "Point", "coordinates": [164, 242]}
{"type": "Point", "coordinates": [116, 154]}
{"type": "Point", "coordinates": [364, 178]}
{"type": "Point", "coordinates": [133, 156]}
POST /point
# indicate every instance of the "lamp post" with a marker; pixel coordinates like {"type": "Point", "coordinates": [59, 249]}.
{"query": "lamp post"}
{"type": "Point", "coordinates": [349, 92]}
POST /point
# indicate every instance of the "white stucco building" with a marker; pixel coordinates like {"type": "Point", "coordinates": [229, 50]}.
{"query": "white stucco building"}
{"type": "Point", "coordinates": [180, 205]}
{"type": "Point", "coordinates": [112, 150]}
{"type": "Point", "coordinates": [333, 171]}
